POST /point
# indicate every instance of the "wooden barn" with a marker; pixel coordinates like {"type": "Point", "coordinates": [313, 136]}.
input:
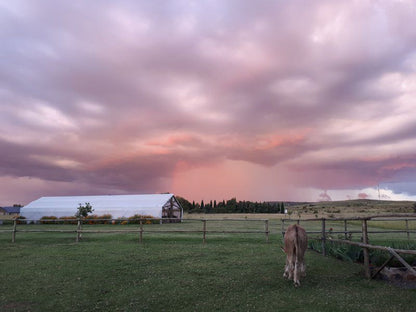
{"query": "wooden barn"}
{"type": "Point", "coordinates": [10, 211]}
{"type": "Point", "coordinates": [118, 206]}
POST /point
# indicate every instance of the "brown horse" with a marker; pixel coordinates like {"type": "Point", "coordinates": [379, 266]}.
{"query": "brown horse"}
{"type": "Point", "coordinates": [296, 243]}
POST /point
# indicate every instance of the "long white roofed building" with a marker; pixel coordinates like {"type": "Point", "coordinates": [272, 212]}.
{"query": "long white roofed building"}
{"type": "Point", "coordinates": [118, 206]}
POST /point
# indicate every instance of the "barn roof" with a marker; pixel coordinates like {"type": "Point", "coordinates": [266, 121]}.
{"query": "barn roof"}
{"type": "Point", "coordinates": [116, 205]}
{"type": "Point", "coordinates": [11, 209]}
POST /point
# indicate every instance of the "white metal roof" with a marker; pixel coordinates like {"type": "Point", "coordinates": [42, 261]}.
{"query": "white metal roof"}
{"type": "Point", "coordinates": [117, 205]}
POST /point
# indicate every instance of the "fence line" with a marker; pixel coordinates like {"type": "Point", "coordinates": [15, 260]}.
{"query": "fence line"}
{"type": "Point", "coordinates": [365, 241]}
{"type": "Point", "coordinates": [140, 230]}
{"type": "Point", "coordinates": [410, 217]}
{"type": "Point", "coordinates": [265, 231]}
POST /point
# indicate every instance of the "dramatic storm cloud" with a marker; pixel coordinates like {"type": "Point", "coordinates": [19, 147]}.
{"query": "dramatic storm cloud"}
{"type": "Point", "coordinates": [259, 100]}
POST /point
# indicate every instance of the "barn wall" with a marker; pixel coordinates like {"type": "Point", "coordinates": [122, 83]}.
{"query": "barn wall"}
{"type": "Point", "coordinates": [118, 206]}
{"type": "Point", "coordinates": [172, 209]}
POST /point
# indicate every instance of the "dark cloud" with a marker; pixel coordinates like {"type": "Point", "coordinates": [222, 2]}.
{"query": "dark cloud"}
{"type": "Point", "coordinates": [114, 95]}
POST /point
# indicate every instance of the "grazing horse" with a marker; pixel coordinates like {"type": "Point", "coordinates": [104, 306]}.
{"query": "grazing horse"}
{"type": "Point", "coordinates": [296, 243]}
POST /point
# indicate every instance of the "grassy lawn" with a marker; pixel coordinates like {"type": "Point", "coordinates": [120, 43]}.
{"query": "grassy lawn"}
{"type": "Point", "coordinates": [176, 272]}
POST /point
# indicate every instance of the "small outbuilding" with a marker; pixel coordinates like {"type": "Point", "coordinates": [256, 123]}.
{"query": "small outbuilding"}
{"type": "Point", "coordinates": [10, 211]}
{"type": "Point", "coordinates": [118, 206]}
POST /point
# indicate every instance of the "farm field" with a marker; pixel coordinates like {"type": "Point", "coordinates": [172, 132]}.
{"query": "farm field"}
{"type": "Point", "coordinates": [349, 208]}
{"type": "Point", "coordinates": [176, 272]}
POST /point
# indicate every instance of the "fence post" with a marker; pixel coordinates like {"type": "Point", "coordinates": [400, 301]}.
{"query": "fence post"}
{"type": "Point", "coordinates": [365, 250]}
{"type": "Point", "coordinates": [283, 227]}
{"type": "Point", "coordinates": [407, 229]}
{"type": "Point", "coordinates": [14, 231]}
{"type": "Point", "coordinates": [266, 229]}
{"type": "Point", "coordinates": [141, 232]}
{"type": "Point", "coordinates": [204, 230]}
{"type": "Point", "coordinates": [323, 237]}
{"type": "Point", "coordinates": [345, 229]}
{"type": "Point", "coordinates": [78, 230]}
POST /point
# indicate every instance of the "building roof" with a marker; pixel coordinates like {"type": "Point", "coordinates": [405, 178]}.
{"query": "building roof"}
{"type": "Point", "coordinates": [117, 205]}
{"type": "Point", "coordinates": [11, 209]}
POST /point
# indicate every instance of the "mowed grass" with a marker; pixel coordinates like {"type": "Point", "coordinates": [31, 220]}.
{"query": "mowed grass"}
{"type": "Point", "coordinates": [176, 272]}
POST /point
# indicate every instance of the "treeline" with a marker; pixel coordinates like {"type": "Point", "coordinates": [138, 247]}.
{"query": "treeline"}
{"type": "Point", "coordinates": [231, 206]}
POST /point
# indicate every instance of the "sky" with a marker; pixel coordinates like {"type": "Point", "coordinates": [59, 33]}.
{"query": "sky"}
{"type": "Point", "coordinates": [209, 99]}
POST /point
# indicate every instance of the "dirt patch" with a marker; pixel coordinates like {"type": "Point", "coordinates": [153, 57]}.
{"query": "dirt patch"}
{"type": "Point", "coordinates": [401, 277]}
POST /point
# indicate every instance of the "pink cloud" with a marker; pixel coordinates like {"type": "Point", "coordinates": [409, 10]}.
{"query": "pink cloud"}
{"type": "Point", "coordinates": [324, 197]}
{"type": "Point", "coordinates": [140, 97]}
{"type": "Point", "coordinates": [363, 196]}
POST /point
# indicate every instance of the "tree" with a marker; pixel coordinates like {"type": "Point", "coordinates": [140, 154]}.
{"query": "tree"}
{"type": "Point", "coordinates": [83, 211]}
{"type": "Point", "coordinates": [186, 205]}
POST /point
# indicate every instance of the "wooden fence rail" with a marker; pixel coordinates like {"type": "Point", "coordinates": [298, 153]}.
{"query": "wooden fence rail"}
{"type": "Point", "coordinates": [140, 230]}
{"type": "Point", "coordinates": [364, 237]}
{"type": "Point", "coordinates": [265, 230]}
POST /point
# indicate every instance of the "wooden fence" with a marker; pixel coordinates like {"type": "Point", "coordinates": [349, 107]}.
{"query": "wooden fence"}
{"type": "Point", "coordinates": [205, 229]}
{"type": "Point", "coordinates": [140, 230]}
{"type": "Point", "coordinates": [364, 244]}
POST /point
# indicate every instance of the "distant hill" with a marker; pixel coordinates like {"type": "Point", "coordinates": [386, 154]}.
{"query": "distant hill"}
{"type": "Point", "coordinates": [352, 207]}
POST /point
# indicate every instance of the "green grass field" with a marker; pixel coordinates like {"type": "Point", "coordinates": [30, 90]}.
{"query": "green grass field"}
{"type": "Point", "coordinates": [176, 272]}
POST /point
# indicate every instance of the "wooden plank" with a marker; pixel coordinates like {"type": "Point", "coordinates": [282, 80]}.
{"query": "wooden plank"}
{"type": "Point", "coordinates": [47, 231]}
{"type": "Point", "coordinates": [382, 267]}
{"type": "Point", "coordinates": [141, 232]}
{"type": "Point", "coordinates": [394, 253]}
{"type": "Point", "coordinates": [365, 250]}
{"type": "Point", "coordinates": [407, 229]}
{"type": "Point", "coordinates": [403, 251]}
{"type": "Point", "coordinates": [204, 229]}
{"type": "Point", "coordinates": [345, 229]}
{"type": "Point", "coordinates": [14, 231]}
{"type": "Point", "coordinates": [78, 231]}
{"type": "Point", "coordinates": [323, 238]}
{"type": "Point", "coordinates": [266, 229]}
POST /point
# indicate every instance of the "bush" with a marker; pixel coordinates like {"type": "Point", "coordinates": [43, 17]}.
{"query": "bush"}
{"type": "Point", "coordinates": [352, 253]}
{"type": "Point", "coordinates": [20, 220]}
{"type": "Point", "coordinates": [136, 219]}
{"type": "Point", "coordinates": [48, 220]}
{"type": "Point", "coordinates": [95, 219]}
{"type": "Point", "coordinates": [68, 220]}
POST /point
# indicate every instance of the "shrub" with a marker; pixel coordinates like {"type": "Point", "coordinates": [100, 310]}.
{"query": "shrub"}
{"type": "Point", "coordinates": [48, 220]}
{"type": "Point", "coordinates": [95, 219]}
{"type": "Point", "coordinates": [20, 220]}
{"type": "Point", "coordinates": [136, 219]}
{"type": "Point", "coordinates": [68, 220]}
{"type": "Point", "coordinates": [355, 253]}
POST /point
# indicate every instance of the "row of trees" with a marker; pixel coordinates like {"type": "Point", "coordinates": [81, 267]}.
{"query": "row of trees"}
{"type": "Point", "coordinates": [231, 206]}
